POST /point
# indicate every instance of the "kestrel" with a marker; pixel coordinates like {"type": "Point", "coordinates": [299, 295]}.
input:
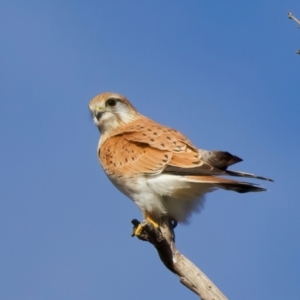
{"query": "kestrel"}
{"type": "Point", "coordinates": [156, 166]}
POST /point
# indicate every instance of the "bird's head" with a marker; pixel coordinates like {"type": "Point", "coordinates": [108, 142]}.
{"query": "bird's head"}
{"type": "Point", "coordinates": [110, 111]}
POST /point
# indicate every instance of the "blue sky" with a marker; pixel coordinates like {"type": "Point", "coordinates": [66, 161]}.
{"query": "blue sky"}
{"type": "Point", "coordinates": [224, 73]}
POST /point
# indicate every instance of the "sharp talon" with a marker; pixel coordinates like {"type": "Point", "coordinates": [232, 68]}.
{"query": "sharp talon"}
{"type": "Point", "coordinates": [135, 222]}
{"type": "Point", "coordinates": [174, 223]}
{"type": "Point", "coordinates": [137, 227]}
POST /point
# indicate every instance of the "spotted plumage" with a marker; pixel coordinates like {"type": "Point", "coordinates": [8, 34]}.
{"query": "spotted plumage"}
{"type": "Point", "coordinates": [156, 166]}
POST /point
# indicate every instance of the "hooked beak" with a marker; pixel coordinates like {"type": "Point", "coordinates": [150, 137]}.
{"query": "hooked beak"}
{"type": "Point", "coordinates": [98, 112]}
{"type": "Point", "coordinates": [98, 115]}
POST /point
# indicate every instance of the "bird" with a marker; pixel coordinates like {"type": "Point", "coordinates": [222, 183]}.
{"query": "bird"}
{"type": "Point", "coordinates": [158, 167]}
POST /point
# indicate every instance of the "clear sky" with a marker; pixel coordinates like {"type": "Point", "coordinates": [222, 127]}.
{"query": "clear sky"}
{"type": "Point", "coordinates": [225, 73]}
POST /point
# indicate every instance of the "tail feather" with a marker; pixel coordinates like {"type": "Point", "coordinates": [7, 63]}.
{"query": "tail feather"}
{"type": "Point", "coordinates": [227, 184]}
{"type": "Point", "coordinates": [242, 187]}
{"type": "Point", "coordinates": [248, 175]}
{"type": "Point", "coordinates": [222, 160]}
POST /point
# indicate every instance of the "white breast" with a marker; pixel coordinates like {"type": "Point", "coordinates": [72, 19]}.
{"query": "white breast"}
{"type": "Point", "coordinates": [164, 194]}
{"type": "Point", "coordinates": [143, 195]}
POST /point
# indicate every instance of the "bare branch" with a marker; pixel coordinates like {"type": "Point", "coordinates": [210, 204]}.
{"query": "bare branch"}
{"type": "Point", "coordinates": [163, 239]}
{"type": "Point", "coordinates": [291, 16]}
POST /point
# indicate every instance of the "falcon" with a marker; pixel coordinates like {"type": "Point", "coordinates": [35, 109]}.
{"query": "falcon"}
{"type": "Point", "coordinates": [157, 167]}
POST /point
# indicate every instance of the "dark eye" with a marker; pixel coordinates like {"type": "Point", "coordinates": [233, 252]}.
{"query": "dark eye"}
{"type": "Point", "coordinates": [111, 102]}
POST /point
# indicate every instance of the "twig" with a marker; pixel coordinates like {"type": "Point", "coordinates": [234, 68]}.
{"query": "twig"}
{"type": "Point", "coordinates": [291, 16]}
{"type": "Point", "coordinates": [163, 239]}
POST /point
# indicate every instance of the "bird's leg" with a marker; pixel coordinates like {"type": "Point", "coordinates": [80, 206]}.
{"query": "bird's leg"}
{"type": "Point", "coordinates": [148, 217]}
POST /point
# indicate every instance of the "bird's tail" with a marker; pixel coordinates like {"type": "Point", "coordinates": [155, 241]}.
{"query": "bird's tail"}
{"type": "Point", "coordinates": [248, 175]}
{"type": "Point", "coordinates": [227, 184]}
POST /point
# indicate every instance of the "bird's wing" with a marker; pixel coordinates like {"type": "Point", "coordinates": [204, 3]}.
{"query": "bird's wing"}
{"type": "Point", "coordinates": [122, 158]}
{"type": "Point", "coordinates": [160, 149]}
{"type": "Point", "coordinates": [145, 146]}
{"type": "Point", "coordinates": [146, 131]}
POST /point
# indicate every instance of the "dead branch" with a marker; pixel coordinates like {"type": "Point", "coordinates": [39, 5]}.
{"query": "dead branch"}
{"type": "Point", "coordinates": [291, 16]}
{"type": "Point", "coordinates": [163, 239]}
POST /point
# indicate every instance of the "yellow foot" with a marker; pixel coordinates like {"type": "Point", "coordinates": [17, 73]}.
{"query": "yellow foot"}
{"type": "Point", "coordinates": [138, 226]}
{"type": "Point", "coordinates": [150, 219]}
{"type": "Point", "coordinates": [138, 230]}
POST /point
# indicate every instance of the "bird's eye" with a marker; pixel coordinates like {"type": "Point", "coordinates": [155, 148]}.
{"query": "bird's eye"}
{"type": "Point", "coordinates": [111, 102]}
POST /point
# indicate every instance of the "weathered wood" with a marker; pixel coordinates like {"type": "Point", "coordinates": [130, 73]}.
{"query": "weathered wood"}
{"type": "Point", "coordinates": [163, 239]}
